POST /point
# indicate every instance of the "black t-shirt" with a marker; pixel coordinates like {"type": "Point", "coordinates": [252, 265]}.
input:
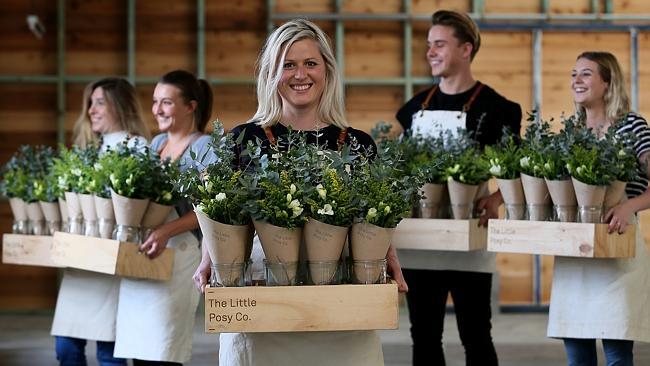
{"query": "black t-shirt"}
{"type": "Point", "coordinates": [497, 111]}
{"type": "Point", "coordinates": [329, 136]}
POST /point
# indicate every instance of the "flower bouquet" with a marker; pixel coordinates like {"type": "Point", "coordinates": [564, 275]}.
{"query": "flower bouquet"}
{"type": "Point", "coordinates": [163, 196]}
{"type": "Point", "coordinates": [46, 191]}
{"type": "Point", "coordinates": [131, 181]}
{"type": "Point", "coordinates": [466, 172]}
{"type": "Point", "coordinates": [621, 156]}
{"type": "Point", "coordinates": [504, 160]}
{"type": "Point", "coordinates": [385, 195]}
{"type": "Point", "coordinates": [590, 178]}
{"type": "Point", "coordinates": [15, 183]}
{"type": "Point", "coordinates": [219, 193]}
{"type": "Point", "coordinates": [536, 139]}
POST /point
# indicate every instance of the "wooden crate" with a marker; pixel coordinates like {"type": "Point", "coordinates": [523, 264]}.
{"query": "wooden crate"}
{"type": "Point", "coordinates": [110, 257]}
{"type": "Point", "coordinates": [256, 309]}
{"type": "Point", "coordinates": [28, 250]}
{"type": "Point", "coordinates": [440, 234]}
{"type": "Point", "coordinates": [568, 239]}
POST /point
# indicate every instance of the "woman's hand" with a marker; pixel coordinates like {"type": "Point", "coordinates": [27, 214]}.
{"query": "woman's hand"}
{"type": "Point", "coordinates": [156, 242]}
{"type": "Point", "coordinates": [489, 205]}
{"type": "Point", "coordinates": [619, 217]}
{"type": "Point", "coordinates": [394, 269]}
{"type": "Point", "coordinates": [203, 271]}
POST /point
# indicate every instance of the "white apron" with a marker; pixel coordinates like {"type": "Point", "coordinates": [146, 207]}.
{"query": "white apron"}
{"type": "Point", "coordinates": [349, 348]}
{"type": "Point", "coordinates": [155, 319]}
{"type": "Point", "coordinates": [602, 298]}
{"type": "Point", "coordinates": [430, 124]}
{"type": "Point", "coordinates": [86, 307]}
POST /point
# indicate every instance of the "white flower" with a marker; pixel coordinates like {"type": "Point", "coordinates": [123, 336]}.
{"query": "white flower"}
{"type": "Point", "coordinates": [547, 166]}
{"type": "Point", "coordinates": [322, 192]}
{"type": "Point", "coordinates": [129, 180]}
{"type": "Point", "coordinates": [289, 197]}
{"type": "Point", "coordinates": [113, 179]}
{"type": "Point", "coordinates": [495, 170]}
{"type": "Point", "coordinates": [297, 211]}
{"type": "Point", "coordinates": [292, 189]}
{"type": "Point", "coordinates": [387, 209]}
{"type": "Point", "coordinates": [580, 169]}
{"type": "Point", "coordinates": [275, 156]}
{"type": "Point", "coordinates": [524, 162]}
{"type": "Point", "coordinates": [97, 166]}
{"type": "Point", "coordinates": [319, 152]}
{"type": "Point", "coordinates": [621, 152]}
{"type": "Point", "coordinates": [201, 207]}
{"type": "Point", "coordinates": [167, 196]}
{"type": "Point", "coordinates": [208, 186]}
{"type": "Point", "coordinates": [220, 197]}
{"type": "Point", "coordinates": [372, 212]}
{"type": "Point", "coordinates": [293, 204]}
{"type": "Point", "coordinates": [76, 172]}
{"type": "Point", "coordinates": [347, 168]}
{"type": "Point", "coordinates": [326, 210]}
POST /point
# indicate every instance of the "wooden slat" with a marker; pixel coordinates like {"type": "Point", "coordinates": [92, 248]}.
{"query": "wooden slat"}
{"type": "Point", "coordinates": [301, 308]}
{"type": "Point", "coordinates": [367, 105]}
{"type": "Point", "coordinates": [440, 234]}
{"type": "Point", "coordinates": [221, 61]}
{"type": "Point", "coordinates": [644, 73]}
{"type": "Point", "coordinates": [110, 257]}
{"type": "Point", "coordinates": [515, 278]}
{"type": "Point", "coordinates": [373, 54]}
{"type": "Point", "coordinates": [512, 6]}
{"type": "Point", "coordinates": [299, 6]}
{"type": "Point", "coordinates": [28, 250]}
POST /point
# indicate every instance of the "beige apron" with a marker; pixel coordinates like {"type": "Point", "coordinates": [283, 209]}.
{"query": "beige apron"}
{"type": "Point", "coordinates": [86, 306]}
{"type": "Point", "coordinates": [602, 298]}
{"type": "Point", "coordinates": [353, 348]}
{"type": "Point", "coordinates": [155, 319]}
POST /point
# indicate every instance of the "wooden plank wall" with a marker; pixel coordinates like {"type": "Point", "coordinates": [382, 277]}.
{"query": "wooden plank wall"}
{"type": "Point", "coordinates": [96, 33]}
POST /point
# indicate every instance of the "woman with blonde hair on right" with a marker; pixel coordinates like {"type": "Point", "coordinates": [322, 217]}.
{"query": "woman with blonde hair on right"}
{"type": "Point", "coordinates": [86, 307]}
{"type": "Point", "coordinates": [606, 299]}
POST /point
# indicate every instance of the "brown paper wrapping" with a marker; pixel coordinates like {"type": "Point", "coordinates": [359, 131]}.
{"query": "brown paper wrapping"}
{"type": "Point", "coordinates": [461, 197]}
{"type": "Point", "coordinates": [323, 242]}
{"type": "Point", "coordinates": [227, 244]}
{"type": "Point", "coordinates": [587, 194]}
{"type": "Point", "coordinates": [512, 191]}
{"type": "Point", "coordinates": [88, 206]}
{"type": "Point", "coordinates": [128, 211]}
{"type": "Point", "coordinates": [614, 194]}
{"type": "Point", "coordinates": [18, 208]}
{"type": "Point", "coordinates": [369, 242]}
{"type": "Point", "coordinates": [562, 192]}
{"type": "Point", "coordinates": [433, 195]}
{"type": "Point", "coordinates": [104, 208]}
{"type": "Point", "coordinates": [51, 211]}
{"type": "Point", "coordinates": [279, 244]}
{"type": "Point", "coordinates": [34, 212]}
{"type": "Point", "coordinates": [63, 207]}
{"type": "Point", "coordinates": [155, 215]}
{"type": "Point", "coordinates": [535, 190]}
{"type": "Point", "coordinates": [74, 206]}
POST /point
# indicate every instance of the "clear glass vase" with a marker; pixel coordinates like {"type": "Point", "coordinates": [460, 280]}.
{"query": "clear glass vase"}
{"type": "Point", "coordinates": [20, 227]}
{"type": "Point", "coordinates": [91, 228]}
{"type": "Point", "coordinates": [130, 234]}
{"type": "Point", "coordinates": [76, 225]}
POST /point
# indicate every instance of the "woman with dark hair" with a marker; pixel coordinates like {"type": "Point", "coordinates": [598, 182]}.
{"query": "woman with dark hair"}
{"type": "Point", "coordinates": [86, 306]}
{"type": "Point", "coordinates": [156, 318]}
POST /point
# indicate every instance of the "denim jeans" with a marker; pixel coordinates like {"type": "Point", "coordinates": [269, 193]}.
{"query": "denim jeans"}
{"type": "Point", "coordinates": [72, 352]}
{"type": "Point", "coordinates": [427, 303]}
{"type": "Point", "coordinates": [582, 352]}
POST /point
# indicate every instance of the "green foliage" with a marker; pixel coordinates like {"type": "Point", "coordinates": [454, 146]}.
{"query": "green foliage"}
{"type": "Point", "coordinates": [219, 190]}
{"type": "Point", "coordinates": [131, 170]}
{"type": "Point", "coordinates": [25, 173]}
{"type": "Point", "coordinates": [584, 164]}
{"type": "Point", "coordinates": [75, 169]}
{"type": "Point", "coordinates": [467, 163]}
{"type": "Point", "coordinates": [332, 201]}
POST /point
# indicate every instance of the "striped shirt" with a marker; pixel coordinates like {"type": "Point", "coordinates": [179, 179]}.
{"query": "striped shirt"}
{"type": "Point", "coordinates": [638, 126]}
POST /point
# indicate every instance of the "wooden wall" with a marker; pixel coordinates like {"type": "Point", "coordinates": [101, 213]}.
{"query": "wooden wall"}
{"type": "Point", "coordinates": [96, 33]}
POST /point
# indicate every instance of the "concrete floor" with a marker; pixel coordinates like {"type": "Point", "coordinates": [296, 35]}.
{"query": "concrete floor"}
{"type": "Point", "coordinates": [519, 339]}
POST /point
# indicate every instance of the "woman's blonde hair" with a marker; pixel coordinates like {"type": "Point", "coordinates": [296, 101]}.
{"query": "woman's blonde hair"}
{"type": "Point", "coordinates": [331, 107]}
{"type": "Point", "coordinates": [617, 103]}
{"type": "Point", "coordinates": [121, 100]}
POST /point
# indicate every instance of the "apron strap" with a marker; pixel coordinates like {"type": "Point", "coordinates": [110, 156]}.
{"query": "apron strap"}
{"type": "Point", "coordinates": [342, 136]}
{"type": "Point", "coordinates": [466, 106]}
{"type": "Point", "coordinates": [269, 135]}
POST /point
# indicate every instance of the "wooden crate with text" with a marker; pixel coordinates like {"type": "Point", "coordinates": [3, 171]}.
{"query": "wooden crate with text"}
{"type": "Point", "coordinates": [257, 309]}
{"type": "Point", "coordinates": [569, 239]}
